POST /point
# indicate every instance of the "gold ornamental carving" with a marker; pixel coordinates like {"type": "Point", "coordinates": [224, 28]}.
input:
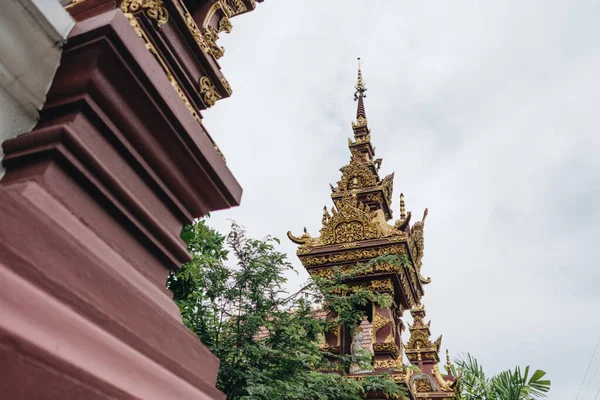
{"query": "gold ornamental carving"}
{"type": "Point", "coordinates": [211, 12]}
{"type": "Point", "coordinates": [211, 37]}
{"type": "Point", "coordinates": [227, 9]}
{"type": "Point", "coordinates": [361, 122]}
{"type": "Point", "coordinates": [208, 92]}
{"type": "Point", "coordinates": [445, 385]}
{"type": "Point", "coordinates": [225, 25]}
{"type": "Point", "coordinates": [305, 240]}
{"type": "Point", "coordinates": [379, 321]}
{"type": "Point", "coordinates": [226, 85]}
{"type": "Point", "coordinates": [386, 347]}
{"type": "Point", "coordinates": [352, 222]}
{"type": "Point", "coordinates": [389, 363]}
{"type": "Point", "coordinates": [330, 272]}
{"type": "Point", "coordinates": [330, 349]}
{"type": "Point", "coordinates": [192, 27]}
{"type": "Point", "coordinates": [154, 9]}
{"type": "Point", "coordinates": [352, 255]}
{"type": "Point", "coordinates": [406, 289]}
{"type": "Point", "coordinates": [377, 286]}
{"type": "Point", "coordinates": [240, 6]}
{"type": "Point", "coordinates": [229, 12]}
{"type": "Point", "coordinates": [419, 339]}
{"type": "Point", "coordinates": [323, 273]}
{"type": "Point", "coordinates": [140, 32]}
{"type": "Point", "coordinates": [360, 140]}
{"type": "Point", "coordinates": [375, 197]}
{"type": "Point", "coordinates": [402, 375]}
{"type": "Point", "coordinates": [356, 175]}
{"type": "Point", "coordinates": [388, 187]}
{"type": "Point", "coordinates": [416, 241]}
{"type": "Point", "coordinates": [423, 385]}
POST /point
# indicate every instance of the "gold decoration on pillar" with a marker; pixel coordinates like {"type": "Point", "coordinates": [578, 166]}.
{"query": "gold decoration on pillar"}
{"type": "Point", "coordinates": [241, 7]}
{"type": "Point", "coordinates": [138, 30]}
{"type": "Point", "coordinates": [154, 9]}
{"type": "Point", "coordinates": [225, 25]}
{"type": "Point", "coordinates": [227, 8]}
{"type": "Point", "coordinates": [210, 37]}
{"type": "Point", "coordinates": [386, 347]}
{"type": "Point", "coordinates": [226, 85]}
{"type": "Point", "coordinates": [208, 92]}
{"type": "Point", "coordinates": [191, 24]}
{"type": "Point", "coordinates": [211, 12]}
{"type": "Point", "coordinates": [379, 321]}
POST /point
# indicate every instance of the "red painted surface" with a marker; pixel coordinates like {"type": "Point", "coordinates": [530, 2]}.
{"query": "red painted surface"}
{"type": "Point", "coordinates": [92, 206]}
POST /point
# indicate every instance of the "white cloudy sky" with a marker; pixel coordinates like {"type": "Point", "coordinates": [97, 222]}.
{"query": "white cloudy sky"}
{"type": "Point", "coordinates": [488, 112]}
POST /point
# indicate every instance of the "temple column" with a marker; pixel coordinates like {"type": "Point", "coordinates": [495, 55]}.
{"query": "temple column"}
{"type": "Point", "coordinates": [333, 337]}
{"type": "Point", "coordinates": [386, 338]}
{"type": "Point", "coordinates": [93, 203]}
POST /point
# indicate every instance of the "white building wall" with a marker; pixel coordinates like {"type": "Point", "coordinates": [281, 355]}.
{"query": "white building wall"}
{"type": "Point", "coordinates": [32, 33]}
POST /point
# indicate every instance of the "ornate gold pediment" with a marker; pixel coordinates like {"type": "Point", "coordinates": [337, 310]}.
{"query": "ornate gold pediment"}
{"type": "Point", "coordinates": [419, 339]}
{"type": "Point", "coordinates": [356, 175]}
{"type": "Point", "coordinates": [352, 222]}
{"type": "Point", "coordinates": [361, 122]}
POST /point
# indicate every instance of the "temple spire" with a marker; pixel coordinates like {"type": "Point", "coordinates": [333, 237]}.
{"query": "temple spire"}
{"type": "Point", "coordinates": [359, 94]}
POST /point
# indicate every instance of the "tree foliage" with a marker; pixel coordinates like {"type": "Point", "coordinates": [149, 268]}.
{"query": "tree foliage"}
{"type": "Point", "coordinates": [229, 304]}
{"type": "Point", "coordinates": [507, 385]}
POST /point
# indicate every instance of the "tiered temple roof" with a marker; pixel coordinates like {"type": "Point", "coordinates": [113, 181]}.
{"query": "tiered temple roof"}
{"type": "Point", "coordinates": [424, 354]}
{"type": "Point", "coordinates": [356, 230]}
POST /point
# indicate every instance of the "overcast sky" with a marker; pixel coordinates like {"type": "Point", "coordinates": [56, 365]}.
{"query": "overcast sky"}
{"type": "Point", "coordinates": [489, 114]}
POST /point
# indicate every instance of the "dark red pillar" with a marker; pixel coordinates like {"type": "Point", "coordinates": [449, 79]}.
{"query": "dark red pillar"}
{"type": "Point", "coordinates": [91, 208]}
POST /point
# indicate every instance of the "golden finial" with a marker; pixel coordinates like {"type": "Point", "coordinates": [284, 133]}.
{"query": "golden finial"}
{"type": "Point", "coordinates": [360, 84]}
{"type": "Point", "coordinates": [448, 363]}
{"type": "Point", "coordinates": [402, 207]}
{"type": "Point", "coordinates": [325, 215]}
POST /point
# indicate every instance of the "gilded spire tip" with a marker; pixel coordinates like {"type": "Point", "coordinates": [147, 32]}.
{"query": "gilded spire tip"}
{"type": "Point", "coordinates": [360, 84]}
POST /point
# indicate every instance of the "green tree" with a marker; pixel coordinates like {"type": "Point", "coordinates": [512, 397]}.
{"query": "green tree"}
{"type": "Point", "coordinates": [229, 306]}
{"type": "Point", "coordinates": [507, 385]}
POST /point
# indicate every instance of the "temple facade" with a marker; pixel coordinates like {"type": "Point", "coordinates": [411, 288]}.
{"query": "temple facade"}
{"type": "Point", "coordinates": [358, 230]}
